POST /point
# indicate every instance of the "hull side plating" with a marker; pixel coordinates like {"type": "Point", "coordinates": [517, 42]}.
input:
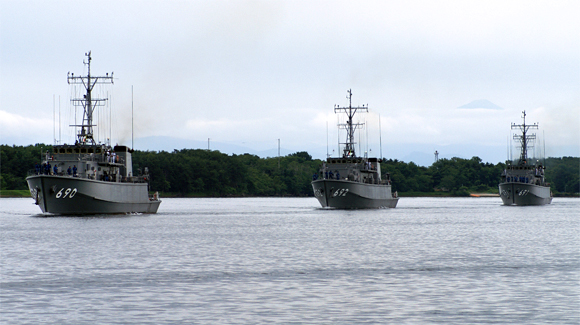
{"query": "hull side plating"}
{"type": "Point", "coordinates": [343, 194]}
{"type": "Point", "coordinates": [513, 193]}
{"type": "Point", "coordinates": [71, 195]}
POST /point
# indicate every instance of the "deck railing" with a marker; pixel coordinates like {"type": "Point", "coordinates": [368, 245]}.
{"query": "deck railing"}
{"type": "Point", "coordinates": [128, 179]}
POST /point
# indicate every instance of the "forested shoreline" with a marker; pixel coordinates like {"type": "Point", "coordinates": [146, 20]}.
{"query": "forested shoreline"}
{"type": "Point", "coordinates": [197, 172]}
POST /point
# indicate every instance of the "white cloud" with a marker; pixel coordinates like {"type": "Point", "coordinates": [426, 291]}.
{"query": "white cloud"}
{"type": "Point", "coordinates": [20, 129]}
{"type": "Point", "coordinates": [256, 71]}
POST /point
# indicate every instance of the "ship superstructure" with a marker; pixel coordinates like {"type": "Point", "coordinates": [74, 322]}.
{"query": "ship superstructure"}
{"type": "Point", "coordinates": [350, 181]}
{"type": "Point", "coordinates": [88, 177]}
{"type": "Point", "coordinates": [523, 181]}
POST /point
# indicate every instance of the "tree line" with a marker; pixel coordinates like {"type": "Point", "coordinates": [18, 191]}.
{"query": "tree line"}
{"type": "Point", "coordinates": [197, 172]}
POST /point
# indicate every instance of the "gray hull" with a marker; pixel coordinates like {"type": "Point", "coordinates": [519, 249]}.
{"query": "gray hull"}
{"type": "Point", "coordinates": [72, 195]}
{"type": "Point", "coordinates": [343, 194]}
{"type": "Point", "coordinates": [514, 193]}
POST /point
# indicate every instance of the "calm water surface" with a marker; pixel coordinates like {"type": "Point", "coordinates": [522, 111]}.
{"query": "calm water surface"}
{"type": "Point", "coordinates": [284, 260]}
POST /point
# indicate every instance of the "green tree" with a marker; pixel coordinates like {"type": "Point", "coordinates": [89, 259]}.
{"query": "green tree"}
{"type": "Point", "coordinates": [212, 173]}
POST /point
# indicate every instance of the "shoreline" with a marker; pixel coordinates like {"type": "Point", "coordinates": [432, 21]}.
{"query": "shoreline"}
{"type": "Point", "coordinates": [26, 194]}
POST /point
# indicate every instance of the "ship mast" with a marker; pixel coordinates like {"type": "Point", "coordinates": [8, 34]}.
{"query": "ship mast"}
{"type": "Point", "coordinates": [87, 102]}
{"type": "Point", "coordinates": [350, 127]}
{"type": "Point", "coordinates": [524, 139]}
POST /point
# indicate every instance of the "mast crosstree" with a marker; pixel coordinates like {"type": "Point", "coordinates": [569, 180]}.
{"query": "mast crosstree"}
{"type": "Point", "coordinates": [88, 103]}
{"type": "Point", "coordinates": [524, 139]}
{"type": "Point", "coordinates": [349, 126]}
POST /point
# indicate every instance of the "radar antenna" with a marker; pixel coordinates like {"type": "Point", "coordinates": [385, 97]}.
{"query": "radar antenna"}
{"type": "Point", "coordinates": [524, 139]}
{"type": "Point", "coordinates": [349, 126]}
{"type": "Point", "coordinates": [87, 102]}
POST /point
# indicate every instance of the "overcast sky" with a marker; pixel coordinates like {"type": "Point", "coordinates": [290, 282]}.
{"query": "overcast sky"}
{"type": "Point", "coordinates": [250, 72]}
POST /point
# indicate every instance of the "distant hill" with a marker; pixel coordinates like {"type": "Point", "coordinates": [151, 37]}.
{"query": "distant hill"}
{"type": "Point", "coordinates": [420, 154]}
{"type": "Point", "coordinates": [164, 143]}
{"type": "Point", "coordinates": [481, 103]}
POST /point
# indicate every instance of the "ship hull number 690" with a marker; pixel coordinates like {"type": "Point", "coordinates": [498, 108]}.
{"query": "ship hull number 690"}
{"type": "Point", "coordinates": [70, 193]}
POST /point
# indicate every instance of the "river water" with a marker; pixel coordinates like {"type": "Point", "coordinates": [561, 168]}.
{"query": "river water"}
{"type": "Point", "coordinates": [285, 260]}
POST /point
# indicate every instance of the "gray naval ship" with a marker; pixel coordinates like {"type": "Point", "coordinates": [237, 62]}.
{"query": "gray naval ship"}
{"type": "Point", "coordinates": [90, 177]}
{"type": "Point", "coordinates": [523, 182]}
{"type": "Point", "coordinates": [350, 181]}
